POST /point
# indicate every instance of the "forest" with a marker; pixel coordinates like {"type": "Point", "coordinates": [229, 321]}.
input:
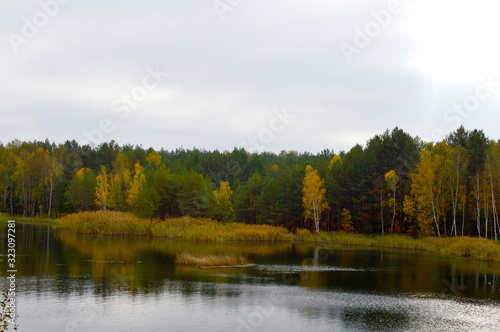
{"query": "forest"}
{"type": "Point", "coordinates": [396, 183]}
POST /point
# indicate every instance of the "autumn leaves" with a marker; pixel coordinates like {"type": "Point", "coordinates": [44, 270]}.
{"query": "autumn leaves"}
{"type": "Point", "coordinates": [315, 202]}
{"type": "Point", "coordinates": [455, 182]}
{"type": "Point", "coordinates": [314, 196]}
{"type": "Point", "coordinates": [396, 184]}
{"type": "Point", "coordinates": [223, 205]}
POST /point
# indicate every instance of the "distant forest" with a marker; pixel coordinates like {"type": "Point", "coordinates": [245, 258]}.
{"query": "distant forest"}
{"type": "Point", "coordinates": [396, 183]}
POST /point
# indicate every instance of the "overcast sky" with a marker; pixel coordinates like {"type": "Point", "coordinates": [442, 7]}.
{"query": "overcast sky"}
{"type": "Point", "coordinates": [300, 75]}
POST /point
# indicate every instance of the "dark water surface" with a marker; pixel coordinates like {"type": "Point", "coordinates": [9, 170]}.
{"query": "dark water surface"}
{"type": "Point", "coordinates": [67, 282]}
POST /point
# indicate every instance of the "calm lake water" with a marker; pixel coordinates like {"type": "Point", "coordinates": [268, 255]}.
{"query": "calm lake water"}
{"type": "Point", "coordinates": [68, 282]}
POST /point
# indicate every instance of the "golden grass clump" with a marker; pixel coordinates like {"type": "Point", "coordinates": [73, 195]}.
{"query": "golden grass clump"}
{"type": "Point", "coordinates": [208, 230]}
{"type": "Point", "coordinates": [304, 235]}
{"type": "Point", "coordinates": [350, 239]}
{"type": "Point", "coordinates": [210, 260]}
{"type": "Point", "coordinates": [106, 223]}
{"type": "Point", "coordinates": [467, 247]}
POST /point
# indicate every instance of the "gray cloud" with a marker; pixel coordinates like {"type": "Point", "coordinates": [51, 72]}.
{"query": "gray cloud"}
{"type": "Point", "coordinates": [226, 77]}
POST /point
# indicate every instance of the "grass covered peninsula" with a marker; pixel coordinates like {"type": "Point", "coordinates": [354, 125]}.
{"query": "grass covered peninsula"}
{"type": "Point", "coordinates": [192, 229]}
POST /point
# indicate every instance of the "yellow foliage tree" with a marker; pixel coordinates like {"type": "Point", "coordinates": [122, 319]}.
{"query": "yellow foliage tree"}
{"type": "Point", "coordinates": [102, 189]}
{"type": "Point", "coordinates": [153, 159]}
{"type": "Point", "coordinates": [135, 188]}
{"type": "Point", "coordinates": [223, 205]}
{"type": "Point", "coordinates": [333, 162]}
{"type": "Point", "coordinates": [314, 200]}
{"type": "Point", "coordinates": [55, 170]}
{"type": "Point", "coordinates": [82, 189]}
{"type": "Point", "coordinates": [138, 168]}
{"type": "Point", "coordinates": [275, 169]}
{"type": "Point", "coordinates": [118, 191]}
{"type": "Point", "coordinates": [493, 177]}
{"type": "Point", "coordinates": [392, 180]}
{"type": "Point", "coordinates": [346, 221]}
{"type": "Point", "coordinates": [428, 186]}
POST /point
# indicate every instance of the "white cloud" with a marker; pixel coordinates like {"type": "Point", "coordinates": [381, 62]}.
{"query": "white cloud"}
{"type": "Point", "coordinates": [456, 39]}
{"type": "Point", "coordinates": [227, 77]}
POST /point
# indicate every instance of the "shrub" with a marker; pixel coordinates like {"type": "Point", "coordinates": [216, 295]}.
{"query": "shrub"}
{"type": "Point", "coordinates": [346, 221]}
{"type": "Point", "coordinates": [106, 223]}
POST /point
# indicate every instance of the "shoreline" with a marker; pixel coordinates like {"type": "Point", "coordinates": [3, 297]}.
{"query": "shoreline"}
{"type": "Point", "coordinates": [107, 223]}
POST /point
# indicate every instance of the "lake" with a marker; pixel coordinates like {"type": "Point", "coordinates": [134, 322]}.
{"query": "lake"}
{"type": "Point", "coordinates": [68, 282]}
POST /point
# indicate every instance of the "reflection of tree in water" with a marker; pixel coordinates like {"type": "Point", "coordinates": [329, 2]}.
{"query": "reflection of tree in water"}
{"type": "Point", "coordinates": [313, 278]}
{"type": "Point", "coordinates": [145, 264]}
{"type": "Point", "coordinates": [393, 272]}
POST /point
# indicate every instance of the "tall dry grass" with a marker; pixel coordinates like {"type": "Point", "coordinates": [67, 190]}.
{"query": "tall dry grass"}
{"type": "Point", "coordinates": [187, 228]}
{"type": "Point", "coordinates": [208, 230]}
{"type": "Point", "coordinates": [465, 247]}
{"type": "Point", "coordinates": [106, 223]}
{"type": "Point", "coordinates": [38, 220]}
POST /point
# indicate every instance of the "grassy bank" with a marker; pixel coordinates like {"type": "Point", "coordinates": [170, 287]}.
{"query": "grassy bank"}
{"type": "Point", "coordinates": [465, 247]}
{"type": "Point", "coordinates": [208, 230]}
{"type": "Point", "coordinates": [186, 228]}
{"type": "Point", "coordinates": [4, 218]}
{"type": "Point", "coordinates": [106, 223]}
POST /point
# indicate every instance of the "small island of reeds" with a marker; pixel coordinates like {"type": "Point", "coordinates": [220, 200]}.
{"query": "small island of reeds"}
{"type": "Point", "coordinates": [206, 261]}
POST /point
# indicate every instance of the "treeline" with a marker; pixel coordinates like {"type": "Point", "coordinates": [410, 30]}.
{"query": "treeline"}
{"type": "Point", "coordinates": [394, 184]}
